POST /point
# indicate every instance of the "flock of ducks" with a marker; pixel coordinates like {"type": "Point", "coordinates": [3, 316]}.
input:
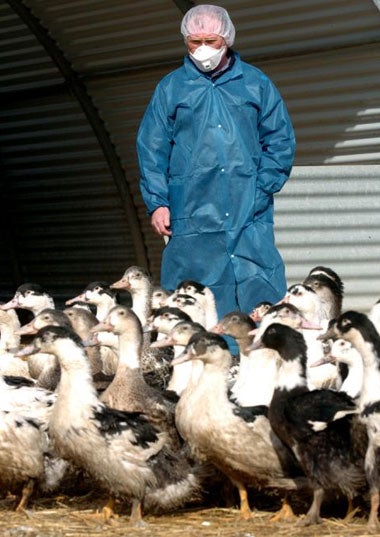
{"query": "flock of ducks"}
{"type": "Point", "coordinates": [145, 399]}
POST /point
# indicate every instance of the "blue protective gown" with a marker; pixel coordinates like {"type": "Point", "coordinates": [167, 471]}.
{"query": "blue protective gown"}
{"type": "Point", "coordinates": [214, 152]}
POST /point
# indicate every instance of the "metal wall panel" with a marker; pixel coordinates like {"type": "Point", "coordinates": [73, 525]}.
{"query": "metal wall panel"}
{"type": "Point", "coordinates": [329, 215]}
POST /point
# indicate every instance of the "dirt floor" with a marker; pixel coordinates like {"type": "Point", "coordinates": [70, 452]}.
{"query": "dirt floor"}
{"type": "Point", "coordinates": [70, 516]}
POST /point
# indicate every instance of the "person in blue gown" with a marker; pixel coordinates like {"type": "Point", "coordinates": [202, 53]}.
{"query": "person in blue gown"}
{"type": "Point", "coordinates": [214, 145]}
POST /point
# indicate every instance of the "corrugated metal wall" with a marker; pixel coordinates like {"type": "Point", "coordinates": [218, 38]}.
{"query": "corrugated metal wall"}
{"type": "Point", "coordinates": [322, 54]}
{"type": "Point", "coordinates": [329, 215]}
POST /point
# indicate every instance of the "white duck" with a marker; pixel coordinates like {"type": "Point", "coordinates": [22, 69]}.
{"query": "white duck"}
{"type": "Point", "coordinates": [313, 310]}
{"type": "Point", "coordinates": [204, 296]}
{"type": "Point", "coordinates": [253, 384]}
{"type": "Point", "coordinates": [30, 296]}
{"type": "Point", "coordinates": [342, 352]}
{"type": "Point", "coordinates": [178, 337]}
{"type": "Point", "coordinates": [139, 283]}
{"type": "Point", "coordinates": [9, 343]}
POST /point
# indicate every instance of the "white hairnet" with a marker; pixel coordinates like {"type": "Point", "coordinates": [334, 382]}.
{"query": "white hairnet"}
{"type": "Point", "coordinates": [208, 19]}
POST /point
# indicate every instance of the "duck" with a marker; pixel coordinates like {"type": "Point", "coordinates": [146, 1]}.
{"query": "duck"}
{"type": "Point", "coordinates": [9, 324]}
{"type": "Point", "coordinates": [129, 390]}
{"type": "Point", "coordinates": [260, 310]}
{"type": "Point", "coordinates": [178, 337]}
{"type": "Point", "coordinates": [27, 458]}
{"type": "Point", "coordinates": [312, 308]}
{"type": "Point", "coordinates": [164, 319]}
{"type": "Point", "coordinates": [350, 364]}
{"type": "Point", "coordinates": [319, 426]}
{"type": "Point", "coordinates": [329, 287]}
{"type": "Point", "coordinates": [191, 305]}
{"type": "Point", "coordinates": [239, 444]}
{"type": "Point", "coordinates": [101, 298]}
{"type": "Point", "coordinates": [120, 450]}
{"type": "Point", "coordinates": [44, 367]}
{"type": "Point", "coordinates": [30, 296]}
{"type": "Point", "coordinates": [243, 372]}
{"type": "Point", "coordinates": [139, 283]}
{"type": "Point", "coordinates": [159, 297]}
{"type": "Point", "coordinates": [204, 296]}
{"type": "Point", "coordinates": [82, 320]}
{"type": "Point", "coordinates": [9, 343]}
{"type": "Point", "coordinates": [356, 328]}
{"type": "Point", "coordinates": [99, 295]}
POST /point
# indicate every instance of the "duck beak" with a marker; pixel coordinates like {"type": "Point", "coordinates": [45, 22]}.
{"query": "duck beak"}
{"type": "Point", "coordinates": [120, 284]}
{"type": "Point", "coordinates": [14, 303]}
{"type": "Point", "coordinates": [101, 327]}
{"type": "Point", "coordinates": [26, 329]}
{"type": "Point", "coordinates": [26, 351]}
{"type": "Point", "coordinates": [255, 345]}
{"type": "Point", "coordinates": [79, 298]}
{"type": "Point", "coordinates": [329, 334]}
{"type": "Point", "coordinates": [327, 359]}
{"type": "Point", "coordinates": [307, 325]}
{"type": "Point", "coordinates": [218, 329]}
{"type": "Point", "coordinates": [253, 332]}
{"type": "Point", "coordinates": [91, 341]}
{"type": "Point", "coordinates": [186, 356]}
{"type": "Point", "coordinates": [165, 342]}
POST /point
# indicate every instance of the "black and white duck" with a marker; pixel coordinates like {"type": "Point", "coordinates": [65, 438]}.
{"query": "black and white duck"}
{"type": "Point", "coordinates": [319, 426]}
{"type": "Point", "coordinates": [359, 330]}
{"type": "Point", "coordinates": [120, 450]}
{"type": "Point", "coordinates": [329, 287]}
{"type": "Point", "coordinates": [204, 296]}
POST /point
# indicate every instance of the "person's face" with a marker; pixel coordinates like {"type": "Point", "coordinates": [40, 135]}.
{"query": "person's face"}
{"type": "Point", "coordinates": [196, 40]}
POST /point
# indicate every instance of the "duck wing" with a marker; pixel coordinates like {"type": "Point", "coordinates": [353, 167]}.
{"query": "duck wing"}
{"type": "Point", "coordinates": [315, 410]}
{"type": "Point", "coordinates": [113, 422]}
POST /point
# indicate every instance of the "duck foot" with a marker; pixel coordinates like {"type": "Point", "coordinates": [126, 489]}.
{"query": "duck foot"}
{"type": "Point", "coordinates": [373, 525]}
{"type": "Point", "coordinates": [108, 512]}
{"type": "Point", "coordinates": [27, 491]}
{"type": "Point", "coordinates": [286, 513]}
{"type": "Point", "coordinates": [136, 519]}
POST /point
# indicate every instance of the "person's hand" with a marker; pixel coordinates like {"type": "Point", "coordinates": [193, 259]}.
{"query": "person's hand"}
{"type": "Point", "coordinates": [160, 221]}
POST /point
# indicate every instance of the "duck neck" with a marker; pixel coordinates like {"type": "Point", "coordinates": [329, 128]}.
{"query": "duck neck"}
{"type": "Point", "coordinates": [104, 307]}
{"type": "Point", "coordinates": [130, 346]}
{"type": "Point", "coordinates": [291, 375]}
{"type": "Point", "coordinates": [371, 373]}
{"type": "Point", "coordinates": [75, 386]}
{"type": "Point", "coordinates": [141, 304]}
{"type": "Point", "coordinates": [181, 373]}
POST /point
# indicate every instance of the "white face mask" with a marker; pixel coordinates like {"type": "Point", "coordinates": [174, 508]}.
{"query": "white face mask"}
{"type": "Point", "coordinates": [207, 58]}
